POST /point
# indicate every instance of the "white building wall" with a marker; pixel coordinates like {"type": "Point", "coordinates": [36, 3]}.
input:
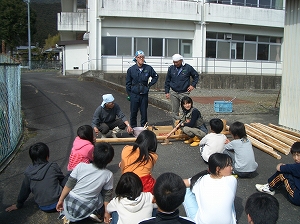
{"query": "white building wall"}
{"type": "Point", "coordinates": [233, 14]}
{"type": "Point", "coordinates": [167, 19]}
{"type": "Point", "coordinates": [75, 55]}
{"type": "Point", "coordinates": [289, 114]}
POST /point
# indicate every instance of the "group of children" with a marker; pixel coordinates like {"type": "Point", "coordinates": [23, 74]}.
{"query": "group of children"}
{"type": "Point", "coordinates": [87, 189]}
{"type": "Point", "coordinates": [239, 149]}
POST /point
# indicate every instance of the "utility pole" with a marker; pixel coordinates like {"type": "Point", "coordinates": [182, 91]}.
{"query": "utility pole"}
{"type": "Point", "coordinates": [29, 35]}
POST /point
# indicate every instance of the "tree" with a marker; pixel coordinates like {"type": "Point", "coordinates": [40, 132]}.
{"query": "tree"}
{"type": "Point", "coordinates": [13, 20]}
{"type": "Point", "coordinates": [51, 41]}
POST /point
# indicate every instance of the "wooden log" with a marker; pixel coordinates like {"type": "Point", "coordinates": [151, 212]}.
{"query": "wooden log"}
{"type": "Point", "coordinates": [285, 130]}
{"type": "Point", "coordinates": [120, 140]}
{"type": "Point", "coordinates": [268, 130]}
{"type": "Point", "coordinates": [263, 147]}
{"type": "Point", "coordinates": [267, 139]}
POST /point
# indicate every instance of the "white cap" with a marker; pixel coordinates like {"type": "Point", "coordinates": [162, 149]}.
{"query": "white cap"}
{"type": "Point", "coordinates": [177, 57]}
{"type": "Point", "coordinates": [107, 98]}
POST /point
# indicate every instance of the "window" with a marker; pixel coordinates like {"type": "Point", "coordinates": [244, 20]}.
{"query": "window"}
{"type": "Point", "coordinates": [124, 46]}
{"type": "Point", "coordinates": [157, 47]}
{"type": "Point", "coordinates": [141, 44]}
{"type": "Point", "coordinates": [263, 39]}
{"type": "Point", "coordinates": [250, 38]}
{"type": "Point", "coordinates": [240, 46]}
{"type": "Point", "coordinates": [238, 2]}
{"type": "Point", "coordinates": [263, 52]}
{"type": "Point", "coordinates": [250, 51]}
{"type": "Point", "coordinates": [239, 50]}
{"type": "Point", "coordinates": [265, 3]}
{"type": "Point", "coordinates": [223, 50]}
{"type": "Point", "coordinates": [275, 52]}
{"type": "Point", "coordinates": [211, 49]}
{"type": "Point", "coordinates": [171, 47]}
{"type": "Point", "coordinates": [211, 35]}
{"type": "Point", "coordinates": [108, 46]}
{"type": "Point", "coordinates": [274, 4]}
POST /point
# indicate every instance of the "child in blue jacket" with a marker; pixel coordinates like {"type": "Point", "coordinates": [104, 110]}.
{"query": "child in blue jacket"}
{"type": "Point", "coordinates": [287, 174]}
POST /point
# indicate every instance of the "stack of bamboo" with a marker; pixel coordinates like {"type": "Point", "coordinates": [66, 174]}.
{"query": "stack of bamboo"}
{"type": "Point", "coordinates": [272, 137]}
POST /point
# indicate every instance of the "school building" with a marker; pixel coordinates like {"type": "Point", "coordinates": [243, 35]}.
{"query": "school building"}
{"type": "Point", "coordinates": [236, 37]}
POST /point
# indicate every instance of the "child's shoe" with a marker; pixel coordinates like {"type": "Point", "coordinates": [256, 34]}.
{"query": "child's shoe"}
{"type": "Point", "coordinates": [95, 218]}
{"type": "Point", "coordinates": [189, 141]}
{"type": "Point", "coordinates": [65, 220]}
{"type": "Point", "coordinates": [196, 141]}
{"type": "Point", "coordinates": [265, 188]}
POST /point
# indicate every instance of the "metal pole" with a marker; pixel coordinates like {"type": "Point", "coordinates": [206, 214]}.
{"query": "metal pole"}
{"type": "Point", "coordinates": [29, 36]}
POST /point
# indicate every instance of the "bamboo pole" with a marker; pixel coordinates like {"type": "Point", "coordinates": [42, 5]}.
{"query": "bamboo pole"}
{"type": "Point", "coordinates": [285, 130]}
{"type": "Point", "coordinates": [267, 129]}
{"type": "Point", "coordinates": [119, 140]}
{"type": "Point", "coordinates": [295, 138]}
{"type": "Point", "coordinates": [263, 147]}
{"type": "Point", "coordinates": [267, 139]}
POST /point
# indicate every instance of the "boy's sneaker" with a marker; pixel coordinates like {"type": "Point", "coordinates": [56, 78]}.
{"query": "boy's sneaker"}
{"type": "Point", "coordinates": [95, 218]}
{"type": "Point", "coordinates": [264, 188]}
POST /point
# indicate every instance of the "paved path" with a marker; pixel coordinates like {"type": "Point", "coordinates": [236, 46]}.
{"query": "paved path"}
{"type": "Point", "coordinates": [55, 106]}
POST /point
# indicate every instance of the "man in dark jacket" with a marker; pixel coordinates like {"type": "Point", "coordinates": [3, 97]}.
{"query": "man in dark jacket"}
{"type": "Point", "coordinates": [140, 77]}
{"type": "Point", "coordinates": [178, 84]}
{"type": "Point", "coordinates": [105, 117]}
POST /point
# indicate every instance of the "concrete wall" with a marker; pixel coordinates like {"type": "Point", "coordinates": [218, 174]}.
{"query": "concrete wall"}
{"type": "Point", "coordinates": [212, 81]}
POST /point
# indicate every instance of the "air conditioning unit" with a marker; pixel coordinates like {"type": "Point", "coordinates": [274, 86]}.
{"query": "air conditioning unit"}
{"type": "Point", "coordinates": [228, 36]}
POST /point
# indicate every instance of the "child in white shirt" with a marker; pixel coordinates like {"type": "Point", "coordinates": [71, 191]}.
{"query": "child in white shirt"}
{"type": "Point", "coordinates": [214, 141]}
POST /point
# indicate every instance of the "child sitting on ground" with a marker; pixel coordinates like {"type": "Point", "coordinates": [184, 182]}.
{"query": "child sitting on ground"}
{"type": "Point", "coordinates": [192, 123]}
{"type": "Point", "coordinates": [130, 205]}
{"type": "Point", "coordinates": [210, 191]}
{"type": "Point", "coordinates": [140, 158]}
{"type": "Point", "coordinates": [44, 179]}
{"type": "Point", "coordinates": [89, 188]}
{"type": "Point", "coordinates": [241, 151]}
{"type": "Point", "coordinates": [262, 208]}
{"type": "Point", "coordinates": [214, 141]}
{"type": "Point", "coordinates": [287, 174]}
{"type": "Point", "coordinates": [169, 191]}
{"type": "Point", "coordinates": [83, 147]}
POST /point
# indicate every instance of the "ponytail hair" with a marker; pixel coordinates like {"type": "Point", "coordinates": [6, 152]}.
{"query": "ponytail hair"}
{"type": "Point", "coordinates": [215, 160]}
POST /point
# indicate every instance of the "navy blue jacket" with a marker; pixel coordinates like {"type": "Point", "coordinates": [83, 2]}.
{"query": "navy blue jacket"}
{"type": "Point", "coordinates": [167, 218]}
{"type": "Point", "coordinates": [137, 81]}
{"type": "Point", "coordinates": [180, 82]}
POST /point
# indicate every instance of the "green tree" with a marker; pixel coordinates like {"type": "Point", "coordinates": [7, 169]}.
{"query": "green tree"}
{"type": "Point", "coordinates": [51, 41]}
{"type": "Point", "coordinates": [13, 20]}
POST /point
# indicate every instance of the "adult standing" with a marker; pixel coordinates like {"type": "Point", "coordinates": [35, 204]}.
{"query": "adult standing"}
{"type": "Point", "coordinates": [178, 83]}
{"type": "Point", "coordinates": [137, 87]}
{"type": "Point", "coordinates": [104, 118]}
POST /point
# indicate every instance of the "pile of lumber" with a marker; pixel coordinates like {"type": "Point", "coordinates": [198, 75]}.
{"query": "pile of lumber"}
{"type": "Point", "coordinates": [272, 138]}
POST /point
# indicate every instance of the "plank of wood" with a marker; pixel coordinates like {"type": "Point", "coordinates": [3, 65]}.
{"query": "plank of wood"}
{"type": "Point", "coordinates": [285, 130]}
{"type": "Point", "coordinates": [267, 139]}
{"type": "Point", "coordinates": [268, 130]}
{"type": "Point", "coordinates": [263, 147]}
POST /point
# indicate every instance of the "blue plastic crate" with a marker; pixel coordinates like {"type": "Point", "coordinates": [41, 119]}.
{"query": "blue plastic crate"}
{"type": "Point", "coordinates": [223, 106]}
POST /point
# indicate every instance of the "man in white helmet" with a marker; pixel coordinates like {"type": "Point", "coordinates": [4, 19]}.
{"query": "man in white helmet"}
{"type": "Point", "coordinates": [178, 83]}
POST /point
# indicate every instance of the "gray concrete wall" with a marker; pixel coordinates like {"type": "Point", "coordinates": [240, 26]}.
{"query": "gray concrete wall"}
{"type": "Point", "coordinates": [208, 81]}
